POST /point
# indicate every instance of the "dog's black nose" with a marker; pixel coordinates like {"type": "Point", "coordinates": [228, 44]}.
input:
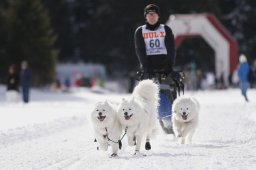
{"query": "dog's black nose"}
{"type": "Point", "coordinates": [100, 113]}
{"type": "Point", "coordinates": [184, 113]}
{"type": "Point", "coordinates": [125, 113]}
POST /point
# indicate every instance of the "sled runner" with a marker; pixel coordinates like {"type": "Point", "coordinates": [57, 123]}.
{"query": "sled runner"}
{"type": "Point", "coordinates": [171, 85]}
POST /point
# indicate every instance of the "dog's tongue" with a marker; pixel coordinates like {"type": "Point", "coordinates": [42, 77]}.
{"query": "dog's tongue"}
{"type": "Point", "coordinates": [101, 118]}
{"type": "Point", "coordinates": [128, 117]}
{"type": "Point", "coordinates": [184, 117]}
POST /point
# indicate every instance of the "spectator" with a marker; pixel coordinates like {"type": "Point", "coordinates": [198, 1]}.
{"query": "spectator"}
{"type": "Point", "coordinates": [78, 80]}
{"type": "Point", "coordinates": [67, 85]}
{"type": "Point", "coordinates": [25, 78]}
{"type": "Point", "coordinates": [56, 85]}
{"type": "Point", "coordinates": [12, 85]}
{"type": "Point", "coordinates": [243, 73]}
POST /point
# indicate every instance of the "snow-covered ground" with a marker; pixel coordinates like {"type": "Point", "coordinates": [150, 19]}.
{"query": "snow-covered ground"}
{"type": "Point", "coordinates": [54, 132]}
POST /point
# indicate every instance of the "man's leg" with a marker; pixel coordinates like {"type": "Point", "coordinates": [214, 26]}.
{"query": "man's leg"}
{"type": "Point", "coordinates": [25, 94]}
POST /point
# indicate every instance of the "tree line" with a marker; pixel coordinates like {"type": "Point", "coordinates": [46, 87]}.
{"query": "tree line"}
{"type": "Point", "coordinates": [27, 34]}
{"type": "Point", "coordinates": [46, 31]}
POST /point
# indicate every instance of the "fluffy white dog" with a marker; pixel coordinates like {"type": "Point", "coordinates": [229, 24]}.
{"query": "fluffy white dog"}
{"type": "Point", "coordinates": [106, 126]}
{"type": "Point", "coordinates": [185, 118]}
{"type": "Point", "coordinates": [138, 115]}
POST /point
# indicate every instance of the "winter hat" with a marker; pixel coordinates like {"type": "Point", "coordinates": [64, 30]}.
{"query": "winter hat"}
{"type": "Point", "coordinates": [242, 58]}
{"type": "Point", "coordinates": [151, 8]}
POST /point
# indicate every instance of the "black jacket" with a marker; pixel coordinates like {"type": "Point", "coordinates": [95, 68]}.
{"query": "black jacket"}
{"type": "Point", "coordinates": [25, 77]}
{"type": "Point", "coordinates": [13, 82]}
{"type": "Point", "coordinates": [158, 62]}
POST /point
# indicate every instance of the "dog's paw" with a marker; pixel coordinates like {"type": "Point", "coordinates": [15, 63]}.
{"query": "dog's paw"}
{"type": "Point", "coordinates": [113, 155]}
{"type": "Point", "coordinates": [182, 141]}
{"type": "Point", "coordinates": [178, 135]}
{"type": "Point", "coordinates": [188, 142]}
{"type": "Point", "coordinates": [138, 154]}
{"type": "Point", "coordinates": [147, 146]}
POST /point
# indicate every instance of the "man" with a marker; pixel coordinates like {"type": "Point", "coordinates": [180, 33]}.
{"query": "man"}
{"type": "Point", "coordinates": [155, 49]}
{"type": "Point", "coordinates": [154, 43]}
{"type": "Point", "coordinates": [25, 77]}
{"type": "Point", "coordinates": [243, 74]}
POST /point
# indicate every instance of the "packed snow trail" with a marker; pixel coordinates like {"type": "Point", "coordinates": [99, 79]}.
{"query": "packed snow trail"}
{"type": "Point", "coordinates": [225, 137]}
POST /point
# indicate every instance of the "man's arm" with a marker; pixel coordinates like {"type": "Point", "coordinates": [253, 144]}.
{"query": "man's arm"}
{"type": "Point", "coordinates": [140, 48]}
{"type": "Point", "coordinates": [170, 44]}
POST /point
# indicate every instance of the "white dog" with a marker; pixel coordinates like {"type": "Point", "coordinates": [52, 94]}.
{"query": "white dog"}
{"type": "Point", "coordinates": [106, 126]}
{"type": "Point", "coordinates": [139, 114]}
{"type": "Point", "coordinates": [185, 118]}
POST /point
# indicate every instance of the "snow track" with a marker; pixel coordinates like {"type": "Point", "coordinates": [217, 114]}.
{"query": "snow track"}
{"type": "Point", "coordinates": [63, 139]}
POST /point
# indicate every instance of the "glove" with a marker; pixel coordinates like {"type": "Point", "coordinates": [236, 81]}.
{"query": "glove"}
{"type": "Point", "coordinates": [177, 76]}
{"type": "Point", "coordinates": [140, 75]}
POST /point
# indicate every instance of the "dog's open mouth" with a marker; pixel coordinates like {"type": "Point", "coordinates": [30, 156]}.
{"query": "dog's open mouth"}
{"type": "Point", "coordinates": [184, 117]}
{"type": "Point", "coordinates": [101, 118]}
{"type": "Point", "coordinates": [127, 117]}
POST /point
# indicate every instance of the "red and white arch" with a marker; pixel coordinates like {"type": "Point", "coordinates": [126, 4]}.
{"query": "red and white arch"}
{"type": "Point", "coordinates": [213, 32]}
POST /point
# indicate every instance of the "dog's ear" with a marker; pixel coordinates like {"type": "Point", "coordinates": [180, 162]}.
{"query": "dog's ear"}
{"type": "Point", "coordinates": [133, 99]}
{"type": "Point", "coordinates": [106, 103]}
{"type": "Point", "coordinates": [98, 103]}
{"type": "Point", "coordinates": [124, 100]}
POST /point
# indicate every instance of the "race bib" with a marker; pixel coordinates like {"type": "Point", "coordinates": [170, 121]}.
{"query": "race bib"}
{"type": "Point", "coordinates": [154, 40]}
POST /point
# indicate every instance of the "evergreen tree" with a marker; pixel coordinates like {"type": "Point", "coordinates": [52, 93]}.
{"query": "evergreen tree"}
{"type": "Point", "coordinates": [33, 40]}
{"type": "Point", "coordinates": [108, 37]}
{"type": "Point", "coordinates": [102, 31]}
{"type": "Point", "coordinates": [239, 17]}
{"type": "Point", "coordinates": [4, 27]}
{"type": "Point", "coordinates": [61, 13]}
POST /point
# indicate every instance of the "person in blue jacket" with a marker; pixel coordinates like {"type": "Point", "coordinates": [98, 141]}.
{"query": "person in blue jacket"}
{"type": "Point", "coordinates": [25, 80]}
{"type": "Point", "coordinates": [243, 74]}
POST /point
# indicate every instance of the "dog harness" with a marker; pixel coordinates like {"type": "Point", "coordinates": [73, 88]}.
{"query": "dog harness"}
{"type": "Point", "coordinates": [119, 141]}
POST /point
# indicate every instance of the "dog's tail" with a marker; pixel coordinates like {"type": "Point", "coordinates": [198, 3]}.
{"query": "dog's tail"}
{"type": "Point", "coordinates": [148, 90]}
